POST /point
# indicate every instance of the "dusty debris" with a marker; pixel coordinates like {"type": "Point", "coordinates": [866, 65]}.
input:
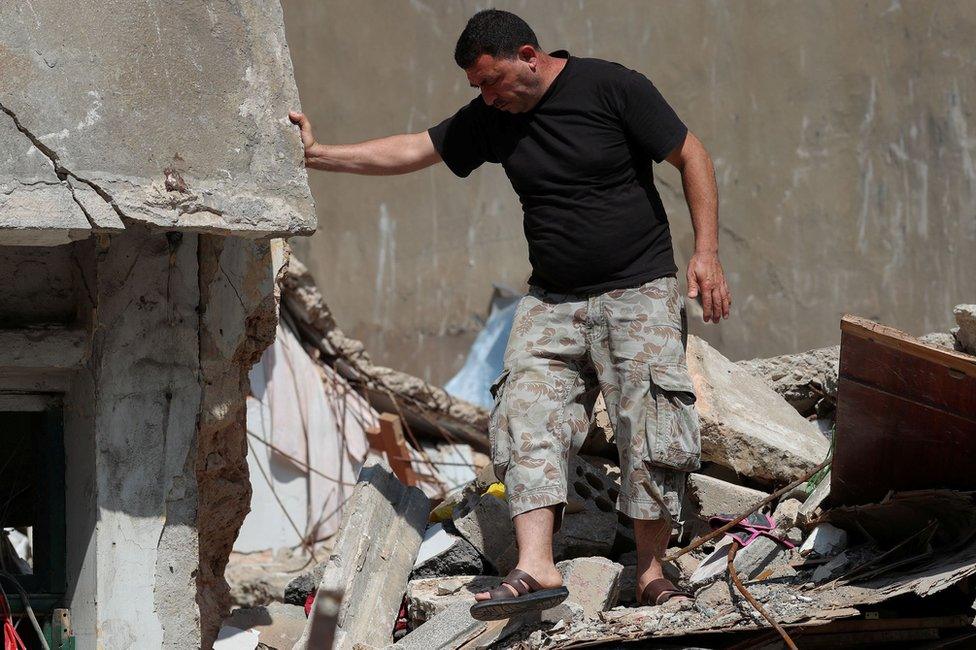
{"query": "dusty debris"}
{"type": "Point", "coordinates": [848, 560]}
{"type": "Point", "coordinates": [278, 625]}
{"type": "Point", "coordinates": [787, 513]}
{"type": "Point", "coordinates": [484, 521]}
{"type": "Point", "coordinates": [804, 380]}
{"type": "Point", "coordinates": [745, 425]}
{"type": "Point", "coordinates": [965, 333]}
{"type": "Point", "coordinates": [762, 555]}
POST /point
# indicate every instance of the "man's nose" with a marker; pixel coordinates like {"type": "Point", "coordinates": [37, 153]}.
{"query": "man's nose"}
{"type": "Point", "coordinates": [489, 97]}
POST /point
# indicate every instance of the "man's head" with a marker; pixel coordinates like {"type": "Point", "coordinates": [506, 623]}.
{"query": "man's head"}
{"type": "Point", "coordinates": [500, 54]}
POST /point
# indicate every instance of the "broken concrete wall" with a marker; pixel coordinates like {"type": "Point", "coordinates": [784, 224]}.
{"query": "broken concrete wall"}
{"type": "Point", "coordinates": [161, 129]}
{"type": "Point", "coordinates": [843, 151]}
{"type": "Point", "coordinates": [172, 115]}
{"type": "Point", "coordinates": [238, 316]}
{"type": "Point", "coordinates": [153, 403]}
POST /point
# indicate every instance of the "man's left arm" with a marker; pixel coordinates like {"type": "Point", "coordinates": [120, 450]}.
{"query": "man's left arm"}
{"type": "Point", "coordinates": [705, 274]}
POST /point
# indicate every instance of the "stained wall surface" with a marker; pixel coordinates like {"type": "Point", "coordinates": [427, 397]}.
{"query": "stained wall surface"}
{"type": "Point", "coordinates": [843, 136]}
{"type": "Point", "coordinates": [155, 112]}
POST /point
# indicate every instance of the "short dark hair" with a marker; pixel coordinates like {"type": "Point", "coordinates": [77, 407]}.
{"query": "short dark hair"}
{"type": "Point", "coordinates": [494, 32]}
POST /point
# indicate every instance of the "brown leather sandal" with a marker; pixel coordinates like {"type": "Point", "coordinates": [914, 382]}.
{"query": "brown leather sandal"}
{"type": "Point", "coordinates": [660, 591]}
{"type": "Point", "coordinates": [531, 597]}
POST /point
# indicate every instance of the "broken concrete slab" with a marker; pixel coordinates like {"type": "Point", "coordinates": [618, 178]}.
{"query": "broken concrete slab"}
{"type": "Point", "coordinates": [761, 555]}
{"type": "Point", "coordinates": [745, 425]}
{"type": "Point", "coordinates": [379, 537]}
{"type": "Point", "coordinates": [484, 521]}
{"type": "Point", "coordinates": [593, 583]}
{"type": "Point", "coordinates": [444, 554]}
{"type": "Point", "coordinates": [706, 497]}
{"type": "Point", "coordinates": [715, 599]}
{"type": "Point", "coordinates": [427, 597]}
{"type": "Point", "coordinates": [451, 628]}
{"type": "Point", "coordinates": [239, 174]}
{"type": "Point", "coordinates": [965, 333]}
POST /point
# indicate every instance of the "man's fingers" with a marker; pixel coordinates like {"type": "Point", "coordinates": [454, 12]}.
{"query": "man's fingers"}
{"type": "Point", "coordinates": [692, 284]}
{"type": "Point", "coordinates": [706, 305]}
{"type": "Point", "coordinates": [718, 305]}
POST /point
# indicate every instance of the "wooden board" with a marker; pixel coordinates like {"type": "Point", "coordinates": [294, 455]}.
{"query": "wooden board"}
{"type": "Point", "coordinates": [906, 415]}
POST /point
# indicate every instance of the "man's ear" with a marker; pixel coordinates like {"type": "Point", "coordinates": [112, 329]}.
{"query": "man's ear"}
{"type": "Point", "coordinates": [529, 54]}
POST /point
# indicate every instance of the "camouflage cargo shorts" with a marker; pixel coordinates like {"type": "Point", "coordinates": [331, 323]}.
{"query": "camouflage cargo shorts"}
{"type": "Point", "coordinates": [627, 343]}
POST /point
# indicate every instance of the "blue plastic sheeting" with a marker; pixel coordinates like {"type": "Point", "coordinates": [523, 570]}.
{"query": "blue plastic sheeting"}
{"type": "Point", "coordinates": [485, 358]}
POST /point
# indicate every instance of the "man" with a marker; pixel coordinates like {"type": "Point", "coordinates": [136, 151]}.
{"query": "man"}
{"type": "Point", "coordinates": [577, 138]}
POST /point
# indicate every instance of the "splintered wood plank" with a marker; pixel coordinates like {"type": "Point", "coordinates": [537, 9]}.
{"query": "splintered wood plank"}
{"type": "Point", "coordinates": [906, 415]}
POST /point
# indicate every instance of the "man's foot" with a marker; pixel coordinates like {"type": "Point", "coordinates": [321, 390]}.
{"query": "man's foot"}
{"type": "Point", "coordinates": [548, 577]}
{"type": "Point", "coordinates": [654, 571]}
{"type": "Point", "coordinates": [519, 593]}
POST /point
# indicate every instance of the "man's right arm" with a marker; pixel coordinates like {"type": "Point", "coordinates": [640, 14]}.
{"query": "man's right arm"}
{"type": "Point", "coordinates": [396, 154]}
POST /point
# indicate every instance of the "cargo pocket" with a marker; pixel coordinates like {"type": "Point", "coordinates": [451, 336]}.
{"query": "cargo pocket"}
{"type": "Point", "coordinates": [498, 435]}
{"type": "Point", "coordinates": [671, 421]}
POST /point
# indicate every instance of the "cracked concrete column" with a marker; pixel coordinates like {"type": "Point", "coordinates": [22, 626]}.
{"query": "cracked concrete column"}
{"type": "Point", "coordinates": [145, 365]}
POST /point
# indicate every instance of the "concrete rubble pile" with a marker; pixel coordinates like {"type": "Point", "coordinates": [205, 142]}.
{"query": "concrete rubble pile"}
{"type": "Point", "coordinates": [820, 563]}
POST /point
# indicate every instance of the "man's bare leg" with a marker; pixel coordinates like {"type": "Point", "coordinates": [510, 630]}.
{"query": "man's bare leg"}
{"type": "Point", "coordinates": [652, 537]}
{"type": "Point", "coordinates": [533, 533]}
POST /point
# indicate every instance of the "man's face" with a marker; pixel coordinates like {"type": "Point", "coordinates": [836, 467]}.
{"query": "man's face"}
{"type": "Point", "coordinates": [511, 85]}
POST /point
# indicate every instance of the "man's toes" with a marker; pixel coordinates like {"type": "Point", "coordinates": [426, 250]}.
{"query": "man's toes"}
{"type": "Point", "coordinates": [481, 596]}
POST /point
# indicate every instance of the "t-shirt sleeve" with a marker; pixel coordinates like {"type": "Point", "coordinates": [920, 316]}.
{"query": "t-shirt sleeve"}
{"type": "Point", "coordinates": [648, 119]}
{"type": "Point", "coordinates": [461, 140]}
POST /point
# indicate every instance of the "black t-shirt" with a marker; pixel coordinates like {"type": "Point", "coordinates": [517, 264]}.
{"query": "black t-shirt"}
{"type": "Point", "coordinates": [580, 162]}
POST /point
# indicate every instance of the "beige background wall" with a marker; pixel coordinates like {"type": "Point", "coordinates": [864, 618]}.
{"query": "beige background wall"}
{"type": "Point", "coordinates": [843, 136]}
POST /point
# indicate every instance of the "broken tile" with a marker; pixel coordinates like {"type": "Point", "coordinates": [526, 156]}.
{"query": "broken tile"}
{"type": "Point", "coordinates": [824, 540]}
